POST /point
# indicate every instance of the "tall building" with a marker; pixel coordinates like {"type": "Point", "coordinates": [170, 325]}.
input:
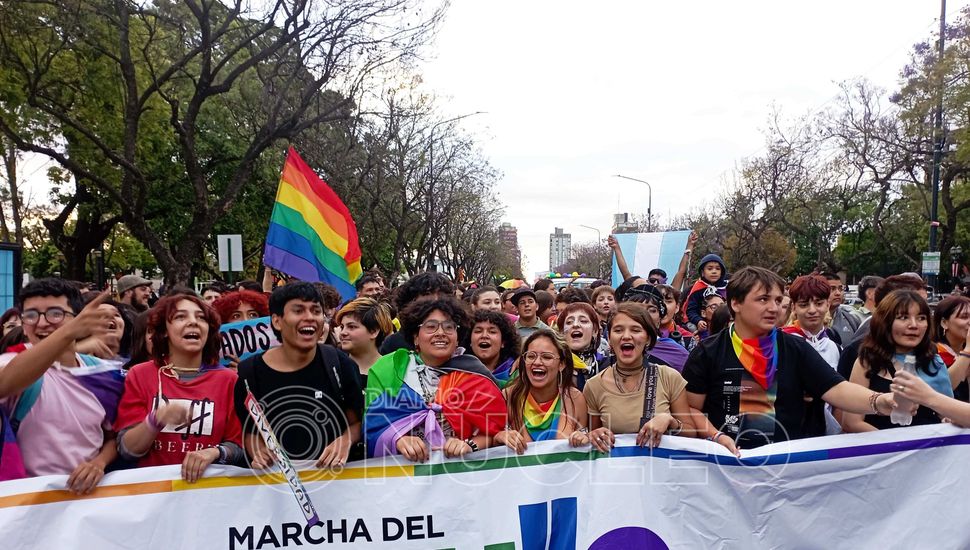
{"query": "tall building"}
{"type": "Point", "coordinates": [508, 235]}
{"type": "Point", "coordinates": [560, 248]}
{"type": "Point", "coordinates": [622, 224]}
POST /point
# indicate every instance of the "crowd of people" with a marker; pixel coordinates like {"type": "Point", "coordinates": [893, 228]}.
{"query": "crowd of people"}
{"type": "Point", "coordinates": [92, 381]}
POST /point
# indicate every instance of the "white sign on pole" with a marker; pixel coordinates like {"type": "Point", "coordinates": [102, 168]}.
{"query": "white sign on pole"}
{"type": "Point", "coordinates": [230, 253]}
{"type": "Point", "coordinates": [931, 263]}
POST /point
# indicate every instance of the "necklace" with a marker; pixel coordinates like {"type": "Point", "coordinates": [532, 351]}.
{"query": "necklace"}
{"type": "Point", "coordinates": [620, 378]}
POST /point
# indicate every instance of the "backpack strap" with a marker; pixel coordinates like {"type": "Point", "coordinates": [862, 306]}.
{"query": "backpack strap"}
{"type": "Point", "coordinates": [331, 361]}
{"type": "Point", "coordinates": [27, 399]}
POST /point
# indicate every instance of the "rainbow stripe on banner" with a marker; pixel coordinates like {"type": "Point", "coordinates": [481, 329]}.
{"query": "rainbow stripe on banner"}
{"type": "Point", "coordinates": [646, 251]}
{"type": "Point", "coordinates": [311, 233]}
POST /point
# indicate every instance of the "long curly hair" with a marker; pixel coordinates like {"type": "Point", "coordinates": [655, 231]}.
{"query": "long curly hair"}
{"type": "Point", "coordinates": [520, 388]}
{"type": "Point", "coordinates": [878, 348]}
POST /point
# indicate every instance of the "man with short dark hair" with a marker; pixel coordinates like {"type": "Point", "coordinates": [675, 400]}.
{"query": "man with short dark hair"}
{"type": "Point", "coordinates": [867, 293]}
{"type": "Point", "coordinates": [528, 309]}
{"type": "Point", "coordinates": [310, 392]}
{"type": "Point", "coordinates": [845, 321]}
{"type": "Point", "coordinates": [370, 285]}
{"type": "Point", "coordinates": [60, 403]}
{"type": "Point", "coordinates": [751, 379]}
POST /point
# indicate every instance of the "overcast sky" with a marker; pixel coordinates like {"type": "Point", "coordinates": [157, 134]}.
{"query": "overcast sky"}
{"type": "Point", "coordinates": [675, 93]}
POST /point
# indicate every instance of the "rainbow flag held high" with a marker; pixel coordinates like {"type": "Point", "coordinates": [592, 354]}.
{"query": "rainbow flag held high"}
{"type": "Point", "coordinates": [311, 233]}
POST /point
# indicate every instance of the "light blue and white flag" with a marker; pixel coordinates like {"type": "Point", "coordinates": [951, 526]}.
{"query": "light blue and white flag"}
{"type": "Point", "coordinates": [646, 251]}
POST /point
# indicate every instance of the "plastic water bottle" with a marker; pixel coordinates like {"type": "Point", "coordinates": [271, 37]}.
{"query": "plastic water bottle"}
{"type": "Point", "coordinates": [900, 414]}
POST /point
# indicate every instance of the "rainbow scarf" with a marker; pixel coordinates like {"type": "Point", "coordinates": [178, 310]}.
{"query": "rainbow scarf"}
{"type": "Point", "coordinates": [504, 372]}
{"type": "Point", "coordinates": [542, 423]}
{"type": "Point", "coordinates": [758, 356]}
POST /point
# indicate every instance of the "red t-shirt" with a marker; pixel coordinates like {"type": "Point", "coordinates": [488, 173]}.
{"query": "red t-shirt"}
{"type": "Point", "coordinates": [209, 397]}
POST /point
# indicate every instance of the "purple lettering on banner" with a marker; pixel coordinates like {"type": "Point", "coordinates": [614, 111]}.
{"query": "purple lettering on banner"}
{"type": "Point", "coordinates": [627, 538]}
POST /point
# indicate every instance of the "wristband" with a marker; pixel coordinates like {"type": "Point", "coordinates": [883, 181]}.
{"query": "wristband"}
{"type": "Point", "coordinates": [583, 430]}
{"type": "Point", "coordinates": [964, 354]}
{"type": "Point", "coordinates": [715, 436]}
{"type": "Point", "coordinates": [471, 443]}
{"type": "Point", "coordinates": [222, 454]}
{"type": "Point", "coordinates": [153, 422]}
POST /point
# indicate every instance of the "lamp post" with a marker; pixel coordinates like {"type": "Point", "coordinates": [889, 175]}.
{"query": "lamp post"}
{"type": "Point", "coordinates": [599, 236]}
{"type": "Point", "coordinates": [649, 199]}
{"type": "Point", "coordinates": [431, 165]}
{"type": "Point", "coordinates": [938, 138]}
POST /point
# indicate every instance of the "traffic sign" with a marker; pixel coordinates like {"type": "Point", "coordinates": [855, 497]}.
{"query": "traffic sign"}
{"type": "Point", "coordinates": [931, 263]}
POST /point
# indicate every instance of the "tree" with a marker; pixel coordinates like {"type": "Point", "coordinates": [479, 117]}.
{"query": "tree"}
{"type": "Point", "coordinates": [594, 259]}
{"type": "Point", "coordinates": [148, 120]}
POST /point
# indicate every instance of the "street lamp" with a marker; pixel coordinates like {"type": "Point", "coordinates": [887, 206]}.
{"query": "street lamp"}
{"type": "Point", "coordinates": [599, 236]}
{"type": "Point", "coordinates": [649, 199]}
{"type": "Point", "coordinates": [431, 165]}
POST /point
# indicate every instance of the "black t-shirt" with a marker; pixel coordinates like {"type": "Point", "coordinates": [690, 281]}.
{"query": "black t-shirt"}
{"type": "Point", "coordinates": [712, 364]}
{"type": "Point", "coordinates": [847, 359]}
{"type": "Point", "coordinates": [305, 408]}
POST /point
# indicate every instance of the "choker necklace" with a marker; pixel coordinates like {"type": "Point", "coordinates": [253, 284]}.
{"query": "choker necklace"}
{"type": "Point", "coordinates": [618, 375]}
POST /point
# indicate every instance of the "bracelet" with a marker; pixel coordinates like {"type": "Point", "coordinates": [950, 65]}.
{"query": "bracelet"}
{"type": "Point", "coordinates": [153, 422]}
{"type": "Point", "coordinates": [583, 430]}
{"type": "Point", "coordinates": [872, 403]}
{"type": "Point", "coordinates": [471, 443]}
{"type": "Point", "coordinates": [715, 436]}
{"type": "Point", "coordinates": [964, 354]}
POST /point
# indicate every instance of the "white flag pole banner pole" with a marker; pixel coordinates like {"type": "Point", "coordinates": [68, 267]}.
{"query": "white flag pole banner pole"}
{"type": "Point", "coordinates": [286, 466]}
{"type": "Point", "coordinates": [646, 251]}
{"type": "Point", "coordinates": [896, 488]}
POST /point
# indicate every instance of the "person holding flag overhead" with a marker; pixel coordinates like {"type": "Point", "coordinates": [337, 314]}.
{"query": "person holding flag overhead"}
{"type": "Point", "coordinates": [311, 233]}
{"type": "Point", "coordinates": [430, 398]}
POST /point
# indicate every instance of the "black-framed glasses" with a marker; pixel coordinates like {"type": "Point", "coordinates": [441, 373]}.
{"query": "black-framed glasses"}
{"type": "Point", "coordinates": [53, 315]}
{"type": "Point", "coordinates": [431, 327]}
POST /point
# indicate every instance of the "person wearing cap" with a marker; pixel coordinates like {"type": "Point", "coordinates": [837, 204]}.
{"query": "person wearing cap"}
{"type": "Point", "coordinates": [134, 291]}
{"type": "Point", "coordinates": [524, 300]}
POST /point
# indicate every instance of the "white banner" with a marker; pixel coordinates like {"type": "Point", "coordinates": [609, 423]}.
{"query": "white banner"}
{"type": "Point", "coordinates": [891, 489]}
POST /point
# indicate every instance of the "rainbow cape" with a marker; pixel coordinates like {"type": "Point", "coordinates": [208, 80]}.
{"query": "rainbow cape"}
{"type": "Point", "coordinates": [467, 396]}
{"type": "Point", "coordinates": [311, 233]}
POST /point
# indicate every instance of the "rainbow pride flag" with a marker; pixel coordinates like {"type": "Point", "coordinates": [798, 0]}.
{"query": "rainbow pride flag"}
{"type": "Point", "coordinates": [311, 233]}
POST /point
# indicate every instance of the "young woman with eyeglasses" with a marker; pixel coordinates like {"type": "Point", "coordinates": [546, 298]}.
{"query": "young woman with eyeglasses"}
{"type": "Point", "coordinates": [543, 402]}
{"type": "Point", "coordinates": [432, 398]}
